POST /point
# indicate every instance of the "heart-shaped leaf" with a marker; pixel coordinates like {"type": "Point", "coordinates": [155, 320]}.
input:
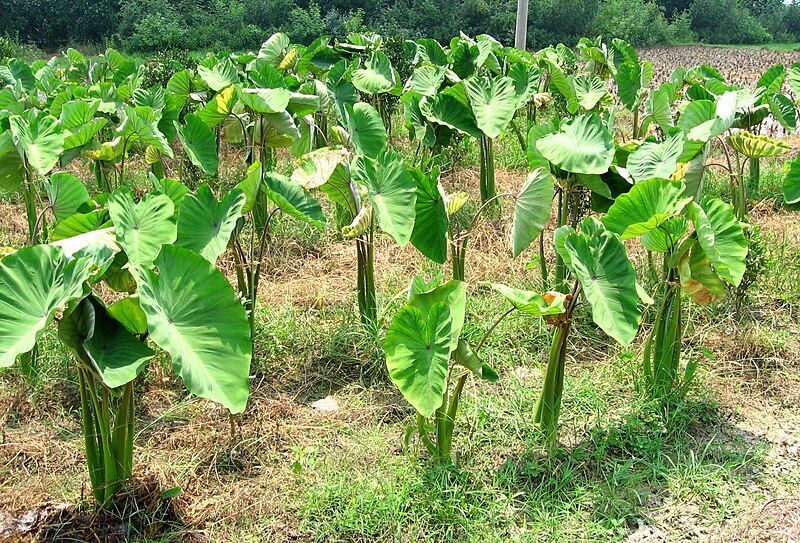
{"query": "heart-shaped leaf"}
{"type": "Point", "coordinates": [582, 146]}
{"type": "Point", "coordinates": [205, 224]}
{"type": "Point", "coordinates": [144, 227]}
{"type": "Point", "coordinates": [430, 217]}
{"type": "Point", "coordinates": [66, 194]}
{"type": "Point", "coordinates": [199, 142]}
{"type": "Point", "coordinates": [652, 159]}
{"type": "Point", "coordinates": [35, 282]}
{"type": "Point", "coordinates": [645, 207]}
{"type": "Point", "coordinates": [391, 190]}
{"type": "Point", "coordinates": [194, 314]}
{"type": "Point", "coordinates": [418, 355]}
{"type": "Point", "coordinates": [598, 259]}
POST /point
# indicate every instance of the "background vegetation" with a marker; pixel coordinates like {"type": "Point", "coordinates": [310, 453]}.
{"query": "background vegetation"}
{"type": "Point", "coordinates": [155, 25]}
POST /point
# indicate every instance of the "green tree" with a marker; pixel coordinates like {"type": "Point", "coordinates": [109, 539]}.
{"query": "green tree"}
{"type": "Point", "coordinates": [726, 21]}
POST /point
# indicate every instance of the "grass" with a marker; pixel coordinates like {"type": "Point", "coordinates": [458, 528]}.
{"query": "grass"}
{"type": "Point", "coordinates": [707, 467]}
{"type": "Point", "coordinates": [759, 47]}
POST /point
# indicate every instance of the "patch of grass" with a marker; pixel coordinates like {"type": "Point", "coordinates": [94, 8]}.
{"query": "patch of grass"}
{"type": "Point", "coordinates": [760, 47]}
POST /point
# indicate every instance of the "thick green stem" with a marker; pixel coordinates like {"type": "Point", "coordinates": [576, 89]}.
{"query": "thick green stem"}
{"type": "Point", "coordinates": [440, 420]}
{"type": "Point", "coordinates": [548, 407]}
{"type": "Point", "coordinates": [459, 254]}
{"type": "Point", "coordinates": [93, 457]}
{"type": "Point", "coordinates": [755, 175]}
{"type": "Point", "coordinates": [636, 123]}
{"type": "Point", "coordinates": [543, 263]}
{"type": "Point", "coordinates": [29, 195]}
{"type": "Point", "coordinates": [662, 352]}
{"type": "Point", "coordinates": [123, 434]}
{"type": "Point", "coordinates": [563, 217]}
{"type": "Point", "coordinates": [488, 189]}
{"type": "Point", "coordinates": [367, 298]}
{"type": "Point", "coordinates": [549, 404]}
{"type": "Point", "coordinates": [523, 143]}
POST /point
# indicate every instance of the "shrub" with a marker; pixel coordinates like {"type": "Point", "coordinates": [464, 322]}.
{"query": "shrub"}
{"type": "Point", "coordinates": [8, 48]}
{"type": "Point", "coordinates": [791, 19]}
{"type": "Point", "coordinates": [680, 29]}
{"type": "Point", "coordinates": [305, 24]}
{"type": "Point", "coordinates": [639, 22]}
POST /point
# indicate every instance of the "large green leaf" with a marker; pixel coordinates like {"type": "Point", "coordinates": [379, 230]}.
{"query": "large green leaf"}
{"type": "Point", "coordinates": [205, 224]}
{"type": "Point", "coordinates": [493, 101]}
{"type": "Point", "coordinates": [194, 314]}
{"type": "Point", "coordinates": [700, 122]}
{"type": "Point", "coordinates": [376, 76]}
{"type": "Point", "coordinates": [266, 100]}
{"type": "Point", "coordinates": [430, 217]}
{"type": "Point", "coordinates": [391, 191]}
{"type": "Point", "coordinates": [219, 107]}
{"type": "Point", "coordinates": [599, 261]}
{"type": "Point", "coordinates": [582, 146]}
{"type": "Point", "coordinates": [293, 199]}
{"type": "Point", "coordinates": [17, 74]}
{"type": "Point", "coordinates": [141, 124]}
{"type": "Point", "coordinates": [645, 207]}
{"type": "Point", "coordinates": [426, 80]}
{"type": "Point", "coordinates": [365, 126]}
{"type": "Point", "coordinates": [219, 76]}
{"type": "Point", "coordinates": [659, 108]}
{"type": "Point", "coordinates": [40, 137]}
{"type": "Point", "coordinates": [532, 208]}
{"type": "Point", "coordinates": [144, 227]}
{"type": "Point", "coordinates": [418, 354]}
{"type": "Point", "coordinates": [66, 194]}
{"type": "Point", "coordinates": [79, 122]}
{"type": "Point", "coordinates": [652, 159]}
{"type": "Point", "coordinates": [448, 111]}
{"type": "Point", "coordinates": [629, 78]}
{"type": "Point", "coordinates": [199, 142]}
{"type": "Point", "coordinates": [791, 183]}
{"type": "Point", "coordinates": [274, 49]}
{"type": "Point", "coordinates": [453, 294]}
{"type": "Point", "coordinates": [721, 237]}
{"type": "Point", "coordinates": [129, 313]}
{"type": "Point", "coordinates": [35, 282]}
{"type": "Point", "coordinates": [80, 223]}
{"type": "Point", "coordinates": [589, 91]}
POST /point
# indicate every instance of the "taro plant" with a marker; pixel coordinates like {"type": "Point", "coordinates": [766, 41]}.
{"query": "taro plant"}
{"type": "Point", "coordinates": [30, 148]}
{"type": "Point", "coordinates": [371, 183]}
{"type": "Point", "coordinates": [264, 195]}
{"type": "Point", "coordinates": [704, 249]}
{"type": "Point", "coordinates": [604, 277]}
{"type": "Point", "coordinates": [430, 362]}
{"type": "Point", "coordinates": [577, 153]}
{"type": "Point", "coordinates": [173, 298]}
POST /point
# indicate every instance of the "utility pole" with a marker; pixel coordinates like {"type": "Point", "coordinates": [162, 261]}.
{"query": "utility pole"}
{"type": "Point", "coordinates": [521, 35]}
